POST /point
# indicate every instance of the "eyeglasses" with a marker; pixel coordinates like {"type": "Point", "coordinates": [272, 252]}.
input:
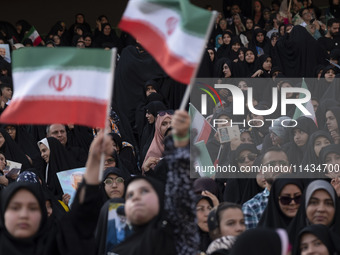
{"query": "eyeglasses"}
{"type": "Point", "coordinates": [277, 163]}
{"type": "Point", "coordinates": [162, 113]}
{"type": "Point", "coordinates": [10, 129]}
{"type": "Point", "coordinates": [117, 180]}
{"type": "Point", "coordinates": [286, 200]}
{"type": "Point", "coordinates": [250, 156]}
{"type": "Point", "coordinates": [109, 161]}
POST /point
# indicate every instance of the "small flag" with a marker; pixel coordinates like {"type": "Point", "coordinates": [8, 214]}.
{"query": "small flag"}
{"type": "Point", "coordinates": [172, 31]}
{"type": "Point", "coordinates": [33, 35]}
{"type": "Point", "coordinates": [309, 106]}
{"type": "Point", "coordinates": [203, 164]}
{"type": "Point", "coordinates": [200, 125]}
{"type": "Point", "coordinates": [60, 85]}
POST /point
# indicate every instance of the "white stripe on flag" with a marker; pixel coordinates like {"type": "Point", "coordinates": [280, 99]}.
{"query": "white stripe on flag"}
{"type": "Point", "coordinates": [40, 83]}
{"type": "Point", "coordinates": [179, 42]}
{"type": "Point", "coordinates": [34, 35]}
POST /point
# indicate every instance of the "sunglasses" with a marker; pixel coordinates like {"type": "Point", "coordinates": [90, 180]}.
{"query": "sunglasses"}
{"type": "Point", "coordinates": [117, 180]}
{"type": "Point", "coordinates": [250, 156]}
{"type": "Point", "coordinates": [162, 113]}
{"type": "Point", "coordinates": [285, 200]}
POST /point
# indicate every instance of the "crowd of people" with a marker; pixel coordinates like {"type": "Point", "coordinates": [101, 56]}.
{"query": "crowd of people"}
{"type": "Point", "coordinates": [149, 149]}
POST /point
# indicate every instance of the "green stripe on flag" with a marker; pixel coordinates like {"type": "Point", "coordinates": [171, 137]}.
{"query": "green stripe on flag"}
{"type": "Point", "coordinates": [194, 20]}
{"type": "Point", "coordinates": [27, 35]}
{"type": "Point", "coordinates": [71, 58]}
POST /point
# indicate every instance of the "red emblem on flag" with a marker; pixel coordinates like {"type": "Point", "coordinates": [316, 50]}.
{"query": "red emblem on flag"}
{"type": "Point", "coordinates": [171, 24]}
{"type": "Point", "coordinates": [59, 82]}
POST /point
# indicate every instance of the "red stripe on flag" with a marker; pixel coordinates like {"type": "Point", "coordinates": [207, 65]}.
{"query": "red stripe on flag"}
{"type": "Point", "coordinates": [156, 45]}
{"type": "Point", "coordinates": [205, 133]}
{"type": "Point", "coordinates": [37, 41]}
{"type": "Point", "coordinates": [43, 111]}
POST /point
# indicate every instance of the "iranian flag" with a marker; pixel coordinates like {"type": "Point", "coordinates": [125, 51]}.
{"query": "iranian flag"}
{"type": "Point", "coordinates": [60, 85]}
{"type": "Point", "coordinates": [309, 106]}
{"type": "Point", "coordinates": [33, 35]}
{"type": "Point", "coordinates": [174, 32]}
{"type": "Point", "coordinates": [200, 125]}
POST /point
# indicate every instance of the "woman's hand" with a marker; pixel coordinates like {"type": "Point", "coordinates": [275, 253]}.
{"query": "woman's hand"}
{"type": "Point", "coordinates": [213, 198]}
{"type": "Point", "coordinates": [151, 161]}
{"type": "Point", "coordinates": [257, 73]}
{"type": "Point", "coordinates": [66, 198]}
{"type": "Point", "coordinates": [180, 124]}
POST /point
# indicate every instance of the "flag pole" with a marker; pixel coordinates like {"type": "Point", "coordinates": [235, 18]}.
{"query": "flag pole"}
{"type": "Point", "coordinates": [289, 6]}
{"type": "Point", "coordinates": [190, 86]}
{"type": "Point", "coordinates": [108, 107]}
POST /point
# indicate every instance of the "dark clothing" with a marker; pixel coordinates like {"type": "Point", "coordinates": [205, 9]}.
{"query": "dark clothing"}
{"type": "Point", "coordinates": [73, 236]}
{"type": "Point", "coordinates": [173, 230]}
{"type": "Point", "coordinates": [298, 53]}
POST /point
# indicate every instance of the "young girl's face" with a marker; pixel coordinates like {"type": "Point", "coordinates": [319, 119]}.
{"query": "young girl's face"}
{"type": "Point", "coordinates": [319, 143]}
{"type": "Point", "coordinates": [249, 24]}
{"type": "Point", "coordinates": [310, 244]}
{"type": "Point", "coordinates": [267, 65]}
{"type": "Point", "coordinates": [330, 75]}
{"type": "Point", "coordinates": [260, 37]}
{"type": "Point", "coordinates": [300, 137]}
{"type": "Point", "coordinates": [23, 215]}
{"type": "Point", "coordinates": [226, 39]}
{"type": "Point", "coordinates": [235, 47]}
{"type": "Point", "coordinates": [141, 202]}
{"type": "Point", "coordinates": [250, 57]}
{"type": "Point", "coordinates": [241, 55]}
{"type": "Point", "coordinates": [232, 222]}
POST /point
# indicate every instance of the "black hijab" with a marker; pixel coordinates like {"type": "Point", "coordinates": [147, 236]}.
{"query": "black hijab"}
{"type": "Point", "coordinates": [240, 190]}
{"type": "Point", "coordinates": [333, 91]}
{"type": "Point", "coordinates": [262, 59]}
{"type": "Point", "coordinates": [204, 236]}
{"type": "Point", "coordinates": [310, 156]}
{"type": "Point", "coordinates": [135, 67]}
{"type": "Point", "coordinates": [28, 145]}
{"type": "Point", "coordinates": [323, 88]}
{"type": "Point", "coordinates": [33, 175]}
{"type": "Point", "coordinates": [298, 53]}
{"type": "Point", "coordinates": [332, 148]}
{"type": "Point", "coordinates": [272, 216]}
{"type": "Point", "coordinates": [234, 40]}
{"type": "Point", "coordinates": [334, 9]}
{"type": "Point", "coordinates": [13, 152]}
{"type": "Point", "coordinates": [111, 38]}
{"type": "Point", "coordinates": [260, 47]}
{"type": "Point", "coordinates": [120, 173]}
{"type": "Point", "coordinates": [224, 49]}
{"type": "Point", "coordinates": [218, 67]}
{"type": "Point", "coordinates": [40, 242]}
{"type": "Point", "coordinates": [59, 161]}
{"type": "Point", "coordinates": [324, 234]}
{"type": "Point", "coordinates": [149, 129]}
{"type": "Point", "coordinates": [322, 109]}
{"type": "Point", "coordinates": [261, 241]}
{"type": "Point", "coordinates": [295, 154]}
{"type": "Point", "coordinates": [213, 145]}
{"type": "Point", "coordinates": [336, 111]}
{"type": "Point", "coordinates": [247, 69]}
{"type": "Point", "coordinates": [154, 237]}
